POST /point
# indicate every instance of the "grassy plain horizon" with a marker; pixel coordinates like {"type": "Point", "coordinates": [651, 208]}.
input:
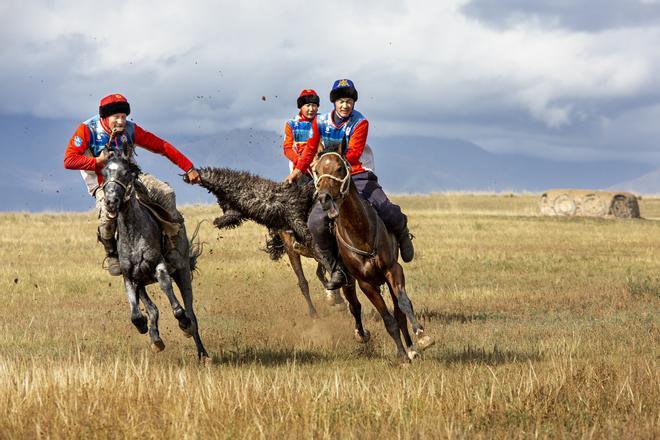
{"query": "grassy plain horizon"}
{"type": "Point", "coordinates": [544, 327]}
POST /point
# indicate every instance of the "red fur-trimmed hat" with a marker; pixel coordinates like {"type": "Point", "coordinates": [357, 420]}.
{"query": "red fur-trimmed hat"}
{"type": "Point", "coordinates": [113, 104]}
{"type": "Point", "coordinates": [308, 96]}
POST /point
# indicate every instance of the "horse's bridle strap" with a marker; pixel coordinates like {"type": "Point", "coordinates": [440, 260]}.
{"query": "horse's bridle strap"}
{"type": "Point", "coordinates": [127, 188]}
{"type": "Point", "coordinates": [344, 182]}
{"type": "Point", "coordinates": [371, 254]}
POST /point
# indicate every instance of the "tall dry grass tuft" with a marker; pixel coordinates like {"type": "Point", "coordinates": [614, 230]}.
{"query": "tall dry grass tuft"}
{"type": "Point", "coordinates": [546, 328]}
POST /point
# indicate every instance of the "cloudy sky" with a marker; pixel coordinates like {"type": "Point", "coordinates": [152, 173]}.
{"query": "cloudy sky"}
{"type": "Point", "coordinates": [565, 79]}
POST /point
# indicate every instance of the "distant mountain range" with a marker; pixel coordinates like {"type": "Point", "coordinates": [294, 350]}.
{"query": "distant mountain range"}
{"type": "Point", "coordinates": [34, 178]}
{"type": "Point", "coordinates": [648, 183]}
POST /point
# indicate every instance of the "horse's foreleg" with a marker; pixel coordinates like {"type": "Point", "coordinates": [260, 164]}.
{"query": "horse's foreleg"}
{"type": "Point", "coordinates": [355, 307]}
{"type": "Point", "coordinates": [183, 280]}
{"type": "Point", "coordinates": [294, 259]}
{"type": "Point", "coordinates": [165, 283]}
{"type": "Point", "coordinates": [390, 323]}
{"type": "Point", "coordinates": [157, 343]}
{"type": "Point", "coordinates": [137, 318]}
{"type": "Point", "coordinates": [396, 279]}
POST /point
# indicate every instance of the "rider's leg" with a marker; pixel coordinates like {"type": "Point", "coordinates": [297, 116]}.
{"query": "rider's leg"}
{"type": "Point", "coordinates": [106, 234]}
{"type": "Point", "coordinates": [163, 194]}
{"type": "Point", "coordinates": [326, 247]}
{"type": "Point", "coordinates": [395, 221]}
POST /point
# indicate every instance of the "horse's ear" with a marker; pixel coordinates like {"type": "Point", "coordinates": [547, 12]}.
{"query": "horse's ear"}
{"type": "Point", "coordinates": [125, 153]}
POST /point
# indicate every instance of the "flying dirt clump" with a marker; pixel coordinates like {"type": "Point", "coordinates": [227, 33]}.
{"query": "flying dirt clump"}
{"type": "Point", "coordinates": [589, 203]}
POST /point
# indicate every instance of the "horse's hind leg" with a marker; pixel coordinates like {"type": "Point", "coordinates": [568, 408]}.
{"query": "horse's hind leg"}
{"type": "Point", "coordinates": [400, 318]}
{"type": "Point", "coordinates": [157, 344]}
{"type": "Point", "coordinates": [403, 325]}
{"type": "Point", "coordinates": [396, 279]}
{"type": "Point", "coordinates": [355, 307]}
{"type": "Point", "coordinates": [183, 280]}
{"type": "Point", "coordinates": [165, 283]}
{"type": "Point", "coordinates": [296, 264]}
{"type": "Point", "coordinates": [390, 323]}
{"type": "Point", "coordinates": [137, 318]}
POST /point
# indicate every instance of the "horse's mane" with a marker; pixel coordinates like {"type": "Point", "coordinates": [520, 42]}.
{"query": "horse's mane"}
{"type": "Point", "coordinates": [134, 168]}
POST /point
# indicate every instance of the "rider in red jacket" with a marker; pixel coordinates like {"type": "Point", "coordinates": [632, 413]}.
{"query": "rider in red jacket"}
{"type": "Point", "coordinates": [298, 129]}
{"type": "Point", "coordinates": [87, 151]}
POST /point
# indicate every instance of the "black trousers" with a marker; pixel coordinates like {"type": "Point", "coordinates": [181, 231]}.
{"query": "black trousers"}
{"type": "Point", "coordinates": [368, 187]}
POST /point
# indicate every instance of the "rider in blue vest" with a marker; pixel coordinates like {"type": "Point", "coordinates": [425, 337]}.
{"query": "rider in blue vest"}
{"type": "Point", "coordinates": [329, 130]}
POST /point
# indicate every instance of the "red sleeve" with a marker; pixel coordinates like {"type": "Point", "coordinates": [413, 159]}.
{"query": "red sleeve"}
{"type": "Point", "coordinates": [157, 145]}
{"type": "Point", "coordinates": [310, 149]}
{"type": "Point", "coordinates": [288, 144]}
{"type": "Point", "coordinates": [74, 156]}
{"type": "Point", "coordinates": [357, 143]}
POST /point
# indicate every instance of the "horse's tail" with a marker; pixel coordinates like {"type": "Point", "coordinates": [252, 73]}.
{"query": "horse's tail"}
{"type": "Point", "coordinates": [196, 247]}
{"type": "Point", "coordinates": [274, 245]}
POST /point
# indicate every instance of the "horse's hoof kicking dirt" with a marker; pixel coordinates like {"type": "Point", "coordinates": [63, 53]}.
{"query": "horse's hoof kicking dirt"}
{"type": "Point", "coordinates": [424, 342]}
{"type": "Point", "coordinates": [365, 339]}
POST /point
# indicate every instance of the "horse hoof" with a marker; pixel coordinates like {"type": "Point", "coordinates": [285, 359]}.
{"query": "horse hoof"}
{"type": "Point", "coordinates": [412, 355]}
{"type": "Point", "coordinates": [187, 331]}
{"type": "Point", "coordinates": [141, 324]}
{"type": "Point", "coordinates": [187, 328]}
{"type": "Point", "coordinates": [204, 359]}
{"type": "Point", "coordinates": [424, 342]}
{"type": "Point", "coordinates": [333, 298]}
{"type": "Point", "coordinates": [157, 346]}
{"type": "Point", "coordinates": [363, 339]}
{"type": "Point", "coordinates": [179, 313]}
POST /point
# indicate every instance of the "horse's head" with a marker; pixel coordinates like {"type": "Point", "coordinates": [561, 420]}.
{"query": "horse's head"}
{"type": "Point", "coordinates": [118, 177]}
{"type": "Point", "coordinates": [332, 178]}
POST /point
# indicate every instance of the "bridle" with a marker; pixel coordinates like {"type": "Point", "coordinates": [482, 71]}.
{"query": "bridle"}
{"type": "Point", "coordinates": [345, 182]}
{"type": "Point", "coordinates": [345, 185]}
{"type": "Point", "coordinates": [128, 188]}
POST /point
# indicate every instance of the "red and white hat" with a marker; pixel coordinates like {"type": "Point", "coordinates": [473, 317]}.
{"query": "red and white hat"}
{"type": "Point", "coordinates": [308, 96]}
{"type": "Point", "coordinates": [113, 104]}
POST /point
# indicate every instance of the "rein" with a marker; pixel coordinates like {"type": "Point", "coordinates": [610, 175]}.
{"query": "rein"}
{"type": "Point", "coordinates": [343, 190]}
{"type": "Point", "coordinates": [371, 255]}
{"type": "Point", "coordinates": [128, 189]}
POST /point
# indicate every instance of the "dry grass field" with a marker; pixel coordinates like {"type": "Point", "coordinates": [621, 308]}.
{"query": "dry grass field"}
{"type": "Point", "coordinates": [544, 328]}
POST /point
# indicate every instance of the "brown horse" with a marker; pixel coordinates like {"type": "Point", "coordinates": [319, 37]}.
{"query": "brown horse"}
{"type": "Point", "coordinates": [369, 253]}
{"type": "Point", "coordinates": [285, 241]}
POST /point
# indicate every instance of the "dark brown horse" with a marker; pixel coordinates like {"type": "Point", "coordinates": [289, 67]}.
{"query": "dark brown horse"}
{"type": "Point", "coordinates": [369, 253]}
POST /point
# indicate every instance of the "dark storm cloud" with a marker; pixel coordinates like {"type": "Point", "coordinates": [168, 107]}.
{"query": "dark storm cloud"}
{"type": "Point", "coordinates": [579, 15]}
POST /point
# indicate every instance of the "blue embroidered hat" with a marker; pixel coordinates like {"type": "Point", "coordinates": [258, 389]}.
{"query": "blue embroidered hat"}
{"type": "Point", "coordinates": [343, 88]}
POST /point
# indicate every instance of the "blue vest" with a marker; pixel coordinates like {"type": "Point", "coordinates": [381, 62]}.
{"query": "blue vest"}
{"type": "Point", "coordinates": [331, 135]}
{"type": "Point", "coordinates": [302, 131]}
{"type": "Point", "coordinates": [99, 138]}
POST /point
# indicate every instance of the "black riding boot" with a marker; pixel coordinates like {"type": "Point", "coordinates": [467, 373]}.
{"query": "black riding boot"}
{"type": "Point", "coordinates": [405, 245]}
{"type": "Point", "coordinates": [111, 255]}
{"type": "Point", "coordinates": [334, 267]}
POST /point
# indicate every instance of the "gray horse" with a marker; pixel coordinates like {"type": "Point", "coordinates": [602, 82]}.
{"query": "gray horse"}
{"type": "Point", "coordinates": [144, 257]}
